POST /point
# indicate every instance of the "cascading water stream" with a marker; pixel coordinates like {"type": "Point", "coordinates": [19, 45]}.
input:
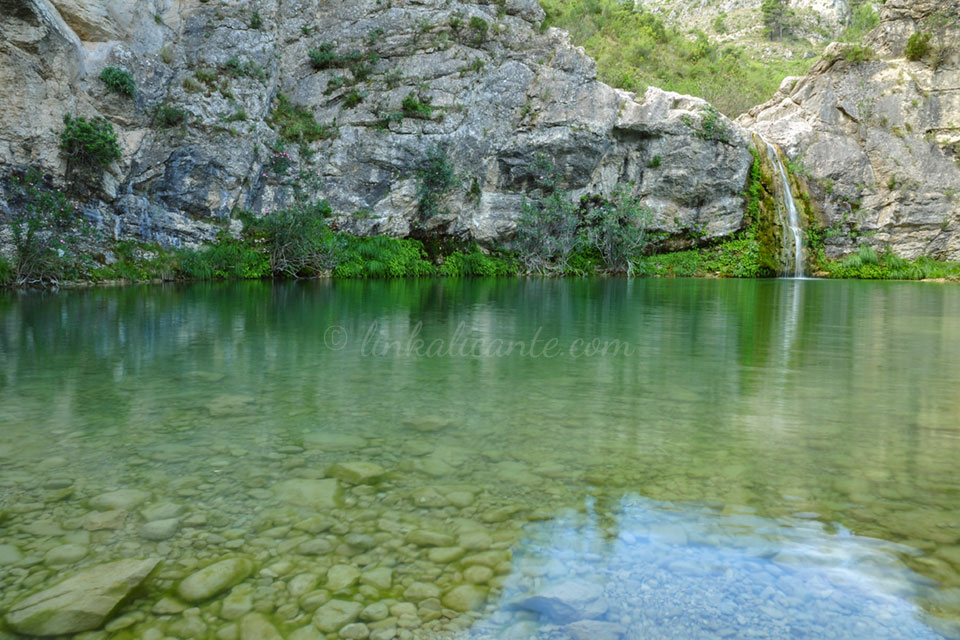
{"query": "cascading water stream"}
{"type": "Point", "coordinates": [789, 219]}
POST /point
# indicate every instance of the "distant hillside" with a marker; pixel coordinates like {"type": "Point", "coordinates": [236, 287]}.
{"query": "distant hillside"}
{"type": "Point", "coordinates": [714, 49]}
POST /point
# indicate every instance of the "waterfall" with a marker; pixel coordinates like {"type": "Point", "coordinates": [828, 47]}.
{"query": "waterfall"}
{"type": "Point", "coordinates": [792, 259]}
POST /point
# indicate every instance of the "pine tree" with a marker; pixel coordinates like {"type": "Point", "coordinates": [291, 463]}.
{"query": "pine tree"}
{"type": "Point", "coordinates": [777, 18]}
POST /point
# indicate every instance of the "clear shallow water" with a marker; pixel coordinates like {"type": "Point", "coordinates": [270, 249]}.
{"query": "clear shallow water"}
{"type": "Point", "coordinates": [771, 459]}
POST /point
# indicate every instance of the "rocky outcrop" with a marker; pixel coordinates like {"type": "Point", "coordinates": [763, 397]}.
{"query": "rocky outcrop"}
{"type": "Point", "coordinates": [262, 124]}
{"type": "Point", "coordinates": [81, 602]}
{"type": "Point", "coordinates": [879, 139]}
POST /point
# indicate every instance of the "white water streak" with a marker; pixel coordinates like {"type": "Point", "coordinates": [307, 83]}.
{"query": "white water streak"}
{"type": "Point", "coordinates": [790, 223]}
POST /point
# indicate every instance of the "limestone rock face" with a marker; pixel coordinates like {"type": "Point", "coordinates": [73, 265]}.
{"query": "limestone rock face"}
{"type": "Point", "coordinates": [498, 91]}
{"type": "Point", "coordinates": [878, 140]}
{"type": "Point", "coordinates": [81, 602]}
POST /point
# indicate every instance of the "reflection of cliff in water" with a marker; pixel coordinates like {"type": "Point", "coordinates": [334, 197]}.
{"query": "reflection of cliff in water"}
{"type": "Point", "coordinates": [691, 571]}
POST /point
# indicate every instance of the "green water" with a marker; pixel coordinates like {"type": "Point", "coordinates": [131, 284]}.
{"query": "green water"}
{"type": "Point", "coordinates": [770, 459]}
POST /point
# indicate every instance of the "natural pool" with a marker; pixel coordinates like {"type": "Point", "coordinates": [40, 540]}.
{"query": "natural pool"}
{"type": "Point", "coordinates": [753, 459]}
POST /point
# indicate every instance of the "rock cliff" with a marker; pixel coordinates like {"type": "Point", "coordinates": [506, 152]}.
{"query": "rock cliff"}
{"type": "Point", "coordinates": [877, 134]}
{"type": "Point", "coordinates": [240, 106]}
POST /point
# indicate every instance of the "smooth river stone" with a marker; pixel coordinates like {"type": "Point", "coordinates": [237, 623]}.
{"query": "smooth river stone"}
{"type": "Point", "coordinates": [160, 529]}
{"type": "Point", "coordinates": [425, 538]}
{"type": "Point", "coordinates": [466, 597]}
{"type": "Point", "coordinates": [65, 554]}
{"type": "Point", "coordinates": [255, 626]}
{"type": "Point", "coordinates": [162, 511]}
{"type": "Point", "coordinates": [342, 576]}
{"type": "Point", "coordinates": [100, 520]}
{"type": "Point", "coordinates": [445, 555]}
{"type": "Point", "coordinates": [9, 554]}
{"type": "Point", "coordinates": [380, 578]}
{"type": "Point", "coordinates": [567, 602]}
{"type": "Point", "coordinates": [335, 614]}
{"type": "Point", "coordinates": [418, 591]}
{"type": "Point", "coordinates": [316, 494]}
{"type": "Point", "coordinates": [215, 578]}
{"type": "Point", "coordinates": [81, 602]}
{"type": "Point", "coordinates": [122, 499]}
{"type": "Point", "coordinates": [356, 472]}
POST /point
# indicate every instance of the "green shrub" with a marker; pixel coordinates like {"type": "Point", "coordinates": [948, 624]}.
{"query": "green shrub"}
{"type": "Point", "coordinates": [335, 84]}
{"type": "Point", "coordinates": [6, 272]}
{"type": "Point", "coordinates": [654, 162]}
{"type": "Point", "coordinates": [546, 233]}
{"type": "Point", "coordinates": [323, 56]}
{"type": "Point", "coordinates": [90, 146]}
{"type": "Point", "coordinates": [166, 116]}
{"type": "Point", "coordinates": [381, 257]}
{"type": "Point", "coordinates": [480, 29]}
{"type": "Point", "coordinates": [296, 124]}
{"type": "Point", "coordinates": [617, 229]}
{"type": "Point", "coordinates": [918, 46]}
{"type": "Point", "coordinates": [413, 106]}
{"type": "Point", "coordinates": [245, 69]}
{"type": "Point", "coordinates": [477, 263]}
{"type": "Point", "coordinates": [858, 53]}
{"type": "Point", "coordinates": [227, 259]}
{"type": "Point", "coordinates": [435, 180]}
{"type": "Point", "coordinates": [297, 240]}
{"type": "Point", "coordinates": [720, 22]}
{"type": "Point", "coordinates": [352, 98]}
{"type": "Point", "coordinates": [256, 21]}
{"type": "Point", "coordinates": [711, 126]}
{"type": "Point", "coordinates": [735, 258]}
{"type": "Point", "coordinates": [47, 230]}
{"type": "Point", "coordinates": [118, 81]}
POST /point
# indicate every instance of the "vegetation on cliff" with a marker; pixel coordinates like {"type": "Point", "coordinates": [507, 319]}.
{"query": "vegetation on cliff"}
{"type": "Point", "coordinates": [636, 49]}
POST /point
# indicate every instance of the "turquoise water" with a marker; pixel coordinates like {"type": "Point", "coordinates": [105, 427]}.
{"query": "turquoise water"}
{"type": "Point", "coordinates": [770, 459]}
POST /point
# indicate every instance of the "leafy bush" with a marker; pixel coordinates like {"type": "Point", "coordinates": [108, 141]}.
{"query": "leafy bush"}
{"type": "Point", "coordinates": [297, 240]}
{"type": "Point", "coordinates": [477, 263]}
{"type": "Point", "coordinates": [858, 53]}
{"type": "Point", "coordinates": [166, 116]}
{"type": "Point", "coordinates": [547, 227]}
{"type": "Point", "coordinates": [90, 146]}
{"type": "Point", "coordinates": [227, 259]}
{"type": "Point", "coordinates": [918, 46]}
{"type": "Point", "coordinates": [480, 29]}
{"type": "Point", "coordinates": [47, 230]}
{"type": "Point", "coordinates": [435, 180]}
{"type": "Point", "coordinates": [118, 81]}
{"type": "Point", "coordinates": [382, 257]}
{"type": "Point", "coordinates": [323, 56]}
{"type": "Point", "coordinates": [617, 229]}
{"type": "Point", "coordinates": [256, 21]}
{"type": "Point", "coordinates": [6, 272]}
{"type": "Point", "coordinates": [414, 106]}
{"type": "Point", "coordinates": [296, 124]}
{"type": "Point", "coordinates": [352, 98]}
{"type": "Point", "coordinates": [736, 258]}
{"type": "Point", "coordinates": [711, 125]}
{"type": "Point", "coordinates": [868, 264]}
{"type": "Point", "coordinates": [245, 69]}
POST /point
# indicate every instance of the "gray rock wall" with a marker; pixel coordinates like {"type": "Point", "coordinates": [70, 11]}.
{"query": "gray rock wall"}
{"type": "Point", "coordinates": [496, 102]}
{"type": "Point", "coordinates": [880, 139]}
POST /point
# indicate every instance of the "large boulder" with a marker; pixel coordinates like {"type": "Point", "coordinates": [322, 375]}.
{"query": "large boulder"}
{"type": "Point", "coordinates": [82, 602]}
